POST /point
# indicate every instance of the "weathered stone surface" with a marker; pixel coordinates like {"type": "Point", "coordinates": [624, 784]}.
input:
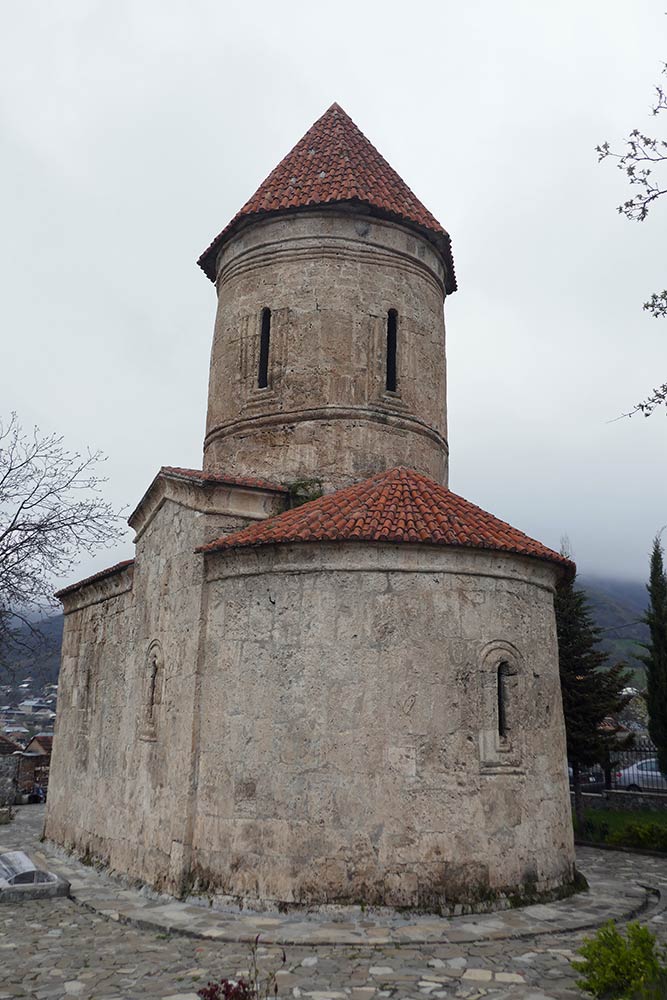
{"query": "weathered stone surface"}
{"type": "Point", "coordinates": [8, 772]}
{"type": "Point", "coordinates": [325, 728]}
{"type": "Point", "coordinates": [46, 945]}
{"type": "Point", "coordinates": [315, 724]}
{"type": "Point", "coordinates": [329, 279]}
{"type": "Point", "coordinates": [349, 736]}
{"type": "Point", "coordinates": [121, 774]}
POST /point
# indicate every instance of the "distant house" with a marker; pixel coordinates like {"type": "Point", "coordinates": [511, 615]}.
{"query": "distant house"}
{"type": "Point", "coordinates": [28, 706]}
{"type": "Point", "coordinates": [41, 743]}
{"type": "Point", "coordinates": [15, 731]}
{"type": "Point", "coordinates": [35, 762]}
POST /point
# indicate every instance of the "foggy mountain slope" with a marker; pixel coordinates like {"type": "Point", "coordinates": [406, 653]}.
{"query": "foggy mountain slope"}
{"type": "Point", "coordinates": [617, 607]}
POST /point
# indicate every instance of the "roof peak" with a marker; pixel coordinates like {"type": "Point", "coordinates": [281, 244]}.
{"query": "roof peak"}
{"type": "Point", "coordinates": [332, 164]}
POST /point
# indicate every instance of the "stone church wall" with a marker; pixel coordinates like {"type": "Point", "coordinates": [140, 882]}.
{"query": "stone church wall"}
{"type": "Point", "coordinates": [308, 723]}
{"type": "Point", "coordinates": [329, 279]}
{"type": "Point", "coordinates": [122, 771]}
{"type": "Point", "coordinates": [349, 745]}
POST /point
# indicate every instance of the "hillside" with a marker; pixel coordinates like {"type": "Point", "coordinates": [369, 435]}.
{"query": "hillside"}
{"type": "Point", "coordinates": [38, 656]}
{"type": "Point", "coordinates": [617, 607]}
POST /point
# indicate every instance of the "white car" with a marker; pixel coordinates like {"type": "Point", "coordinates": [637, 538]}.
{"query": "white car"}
{"type": "Point", "coordinates": [643, 777]}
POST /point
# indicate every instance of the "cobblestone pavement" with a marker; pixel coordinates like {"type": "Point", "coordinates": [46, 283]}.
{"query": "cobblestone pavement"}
{"type": "Point", "coordinates": [62, 949]}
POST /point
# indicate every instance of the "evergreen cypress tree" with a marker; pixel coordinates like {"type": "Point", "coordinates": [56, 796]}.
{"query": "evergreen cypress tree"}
{"type": "Point", "coordinates": [591, 689]}
{"type": "Point", "coordinates": [655, 658]}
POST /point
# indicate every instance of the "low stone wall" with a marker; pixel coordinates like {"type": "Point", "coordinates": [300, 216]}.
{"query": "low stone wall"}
{"type": "Point", "coordinates": [626, 801]}
{"type": "Point", "coordinates": [8, 769]}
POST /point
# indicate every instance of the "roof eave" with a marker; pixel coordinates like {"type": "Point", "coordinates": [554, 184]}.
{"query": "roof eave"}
{"type": "Point", "coordinates": [104, 574]}
{"type": "Point", "coordinates": [566, 567]}
{"type": "Point", "coordinates": [441, 240]}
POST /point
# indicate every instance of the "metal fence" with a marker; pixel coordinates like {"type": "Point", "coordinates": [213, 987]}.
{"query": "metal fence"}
{"type": "Point", "coordinates": [634, 769]}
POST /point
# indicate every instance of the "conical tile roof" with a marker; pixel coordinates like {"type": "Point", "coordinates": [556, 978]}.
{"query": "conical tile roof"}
{"type": "Point", "coordinates": [335, 163]}
{"type": "Point", "coordinates": [400, 505]}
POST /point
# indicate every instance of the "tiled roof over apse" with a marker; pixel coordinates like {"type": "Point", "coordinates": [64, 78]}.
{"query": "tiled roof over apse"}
{"type": "Point", "coordinates": [400, 506]}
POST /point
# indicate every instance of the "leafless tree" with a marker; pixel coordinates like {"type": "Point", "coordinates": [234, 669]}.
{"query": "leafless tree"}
{"type": "Point", "coordinates": [643, 155]}
{"type": "Point", "coordinates": [51, 510]}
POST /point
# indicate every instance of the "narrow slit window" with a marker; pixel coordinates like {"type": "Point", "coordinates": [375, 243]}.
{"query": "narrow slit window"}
{"type": "Point", "coordinates": [264, 343]}
{"type": "Point", "coordinates": [152, 686]}
{"type": "Point", "coordinates": [503, 690]}
{"type": "Point", "coordinates": [153, 691]}
{"type": "Point", "coordinates": [392, 330]}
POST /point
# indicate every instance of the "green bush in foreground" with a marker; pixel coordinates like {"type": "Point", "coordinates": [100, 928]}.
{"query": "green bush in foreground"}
{"type": "Point", "coordinates": [622, 968]}
{"type": "Point", "coordinates": [643, 831]}
{"type": "Point", "coordinates": [649, 836]}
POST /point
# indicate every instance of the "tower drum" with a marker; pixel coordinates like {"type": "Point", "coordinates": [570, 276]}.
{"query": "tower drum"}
{"type": "Point", "coordinates": [328, 357]}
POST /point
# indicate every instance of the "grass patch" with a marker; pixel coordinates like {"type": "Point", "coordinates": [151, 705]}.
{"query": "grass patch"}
{"type": "Point", "coordinates": [643, 829]}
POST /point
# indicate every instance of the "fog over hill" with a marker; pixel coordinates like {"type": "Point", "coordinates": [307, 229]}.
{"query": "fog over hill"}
{"type": "Point", "coordinates": [617, 607]}
{"type": "Point", "coordinates": [37, 657]}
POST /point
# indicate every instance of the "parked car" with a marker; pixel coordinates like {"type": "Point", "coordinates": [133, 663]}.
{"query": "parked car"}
{"type": "Point", "coordinates": [643, 777]}
{"type": "Point", "coordinates": [592, 779]}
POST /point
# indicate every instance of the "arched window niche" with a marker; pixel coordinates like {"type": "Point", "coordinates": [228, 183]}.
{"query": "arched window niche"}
{"type": "Point", "coordinates": [501, 707]}
{"type": "Point", "coordinates": [153, 681]}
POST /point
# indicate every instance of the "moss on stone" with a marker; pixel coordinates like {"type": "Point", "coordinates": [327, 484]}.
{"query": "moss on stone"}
{"type": "Point", "coordinates": [303, 491]}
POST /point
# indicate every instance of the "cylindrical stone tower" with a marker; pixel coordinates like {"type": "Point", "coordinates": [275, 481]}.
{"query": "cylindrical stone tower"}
{"type": "Point", "coordinates": [328, 356]}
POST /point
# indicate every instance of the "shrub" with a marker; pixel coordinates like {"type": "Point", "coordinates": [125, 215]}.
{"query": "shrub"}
{"type": "Point", "coordinates": [593, 828]}
{"type": "Point", "coordinates": [649, 836]}
{"type": "Point", "coordinates": [621, 968]}
{"type": "Point", "coordinates": [619, 829]}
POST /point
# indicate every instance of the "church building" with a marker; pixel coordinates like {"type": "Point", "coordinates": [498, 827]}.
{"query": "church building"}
{"type": "Point", "coordinates": [324, 678]}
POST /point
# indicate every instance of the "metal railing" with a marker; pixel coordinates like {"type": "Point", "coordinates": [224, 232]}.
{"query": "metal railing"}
{"type": "Point", "coordinates": [634, 769]}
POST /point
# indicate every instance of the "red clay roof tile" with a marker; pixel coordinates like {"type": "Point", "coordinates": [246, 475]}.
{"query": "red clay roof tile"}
{"type": "Point", "coordinates": [400, 505]}
{"type": "Point", "coordinates": [335, 163]}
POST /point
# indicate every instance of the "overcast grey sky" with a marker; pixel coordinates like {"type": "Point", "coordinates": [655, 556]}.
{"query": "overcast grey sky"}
{"type": "Point", "coordinates": [131, 132]}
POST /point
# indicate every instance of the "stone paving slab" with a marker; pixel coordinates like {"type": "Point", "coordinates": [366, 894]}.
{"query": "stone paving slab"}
{"type": "Point", "coordinates": [615, 893]}
{"type": "Point", "coordinates": [60, 949]}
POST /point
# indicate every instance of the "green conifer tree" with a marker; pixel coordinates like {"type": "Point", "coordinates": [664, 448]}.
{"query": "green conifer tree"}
{"type": "Point", "coordinates": [655, 657]}
{"type": "Point", "coordinates": [592, 690]}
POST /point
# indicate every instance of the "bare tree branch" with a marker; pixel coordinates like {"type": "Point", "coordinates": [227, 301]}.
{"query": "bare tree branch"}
{"type": "Point", "coordinates": [642, 154]}
{"type": "Point", "coordinates": [51, 510]}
